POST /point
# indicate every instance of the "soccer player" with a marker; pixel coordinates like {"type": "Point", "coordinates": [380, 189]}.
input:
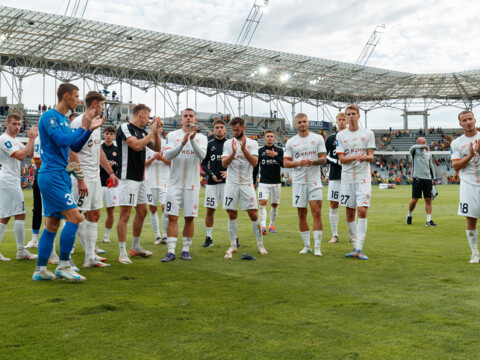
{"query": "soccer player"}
{"type": "Point", "coordinates": [240, 156]}
{"type": "Point", "coordinates": [305, 153]}
{"type": "Point", "coordinates": [12, 153]}
{"type": "Point", "coordinates": [37, 197]}
{"type": "Point", "coordinates": [157, 172]}
{"type": "Point", "coordinates": [56, 138]}
{"type": "Point", "coordinates": [87, 192]}
{"type": "Point", "coordinates": [110, 195]}
{"type": "Point", "coordinates": [132, 192]}
{"type": "Point", "coordinates": [270, 163]}
{"type": "Point", "coordinates": [355, 147]}
{"type": "Point", "coordinates": [335, 175]}
{"type": "Point", "coordinates": [185, 149]}
{"type": "Point", "coordinates": [423, 178]}
{"type": "Point", "coordinates": [466, 160]}
{"type": "Point", "coordinates": [212, 166]}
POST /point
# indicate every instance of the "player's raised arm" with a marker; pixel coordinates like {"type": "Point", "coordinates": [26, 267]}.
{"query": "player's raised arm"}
{"type": "Point", "coordinates": [28, 149]}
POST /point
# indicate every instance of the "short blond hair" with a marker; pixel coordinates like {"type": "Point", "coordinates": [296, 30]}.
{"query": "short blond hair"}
{"type": "Point", "coordinates": [301, 115]}
{"type": "Point", "coordinates": [353, 107]}
{"type": "Point", "coordinates": [340, 114]}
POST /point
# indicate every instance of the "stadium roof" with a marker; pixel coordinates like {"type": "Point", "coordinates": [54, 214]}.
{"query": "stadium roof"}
{"type": "Point", "coordinates": [70, 48]}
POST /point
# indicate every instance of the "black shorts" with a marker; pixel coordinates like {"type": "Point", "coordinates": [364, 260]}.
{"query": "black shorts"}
{"type": "Point", "coordinates": [421, 185]}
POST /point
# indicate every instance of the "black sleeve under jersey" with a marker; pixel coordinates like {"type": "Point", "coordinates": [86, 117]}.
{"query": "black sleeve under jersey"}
{"type": "Point", "coordinates": [213, 161]}
{"type": "Point", "coordinates": [332, 158]}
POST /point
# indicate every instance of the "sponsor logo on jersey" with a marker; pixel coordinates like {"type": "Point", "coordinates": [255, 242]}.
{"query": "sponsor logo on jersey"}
{"type": "Point", "coordinates": [295, 145]}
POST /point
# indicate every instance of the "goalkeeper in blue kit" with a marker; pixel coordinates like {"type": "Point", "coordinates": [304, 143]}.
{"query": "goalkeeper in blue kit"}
{"type": "Point", "coordinates": [57, 138]}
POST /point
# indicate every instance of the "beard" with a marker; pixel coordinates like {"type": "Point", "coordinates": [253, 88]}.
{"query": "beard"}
{"type": "Point", "coordinates": [239, 136]}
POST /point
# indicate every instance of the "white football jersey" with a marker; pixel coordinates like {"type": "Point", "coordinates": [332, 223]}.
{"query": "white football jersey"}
{"type": "Point", "coordinates": [37, 151]}
{"type": "Point", "coordinates": [460, 149]}
{"type": "Point", "coordinates": [89, 155]}
{"type": "Point", "coordinates": [304, 148]}
{"type": "Point", "coordinates": [354, 143]}
{"type": "Point", "coordinates": [10, 168]}
{"type": "Point", "coordinates": [158, 172]}
{"type": "Point", "coordinates": [185, 168]}
{"type": "Point", "coordinates": [240, 171]}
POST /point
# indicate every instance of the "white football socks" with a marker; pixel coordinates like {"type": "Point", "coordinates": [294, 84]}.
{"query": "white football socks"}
{"type": "Point", "coordinates": [19, 231]}
{"type": "Point", "coordinates": [306, 238]}
{"type": "Point", "coordinates": [171, 244]}
{"type": "Point", "coordinates": [155, 224]}
{"type": "Point", "coordinates": [334, 221]}
{"type": "Point", "coordinates": [90, 239]}
{"type": "Point", "coordinates": [262, 215]}
{"type": "Point", "coordinates": [232, 232]}
{"type": "Point", "coordinates": [472, 236]}
{"type": "Point", "coordinates": [209, 232]}
{"type": "Point", "coordinates": [273, 215]}
{"type": "Point", "coordinates": [361, 233]}
{"type": "Point", "coordinates": [187, 242]}
{"type": "Point", "coordinates": [123, 248]}
{"type": "Point", "coordinates": [352, 233]}
{"type": "Point", "coordinates": [164, 224]}
{"type": "Point", "coordinates": [317, 237]}
{"type": "Point", "coordinates": [257, 231]}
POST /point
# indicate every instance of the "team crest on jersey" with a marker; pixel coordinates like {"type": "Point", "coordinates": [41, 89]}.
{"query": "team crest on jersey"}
{"type": "Point", "coordinates": [249, 147]}
{"type": "Point", "coordinates": [114, 153]}
{"type": "Point", "coordinates": [312, 142]}
{"type": "Point", "coordinates": [52, 123]}
{"type": "Point", "coordinates": [363, 139]}
{"type": "Point", "coordinates": [195, 206]}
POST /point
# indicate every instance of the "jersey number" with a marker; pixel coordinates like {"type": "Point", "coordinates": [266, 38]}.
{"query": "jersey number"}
{"type": "Point", "coordinates": [334, 194]}
{"type": "Point", "coordinates": [168, 206]}
{"type": "Point", "coordinates": [80, 200]}
{"type": "Point", "coordinates": [344, 199]}
{"type": "Point", "coordinates": [210, 201]}
{"type": "Point", "coordinates": [296, 200]}
{"type": "Point", "coordinates": [150, 197]}
{"type": "Point", "coordinates": [132, 199]}
{"type": "Point", "coordinates": [228, 201]}
{"type": "Point", "coordinates": [260, 195]}
{"type": "Point", "coordinates": [69, 198]}
{"type": "Point", "coordinates": [464, 207]}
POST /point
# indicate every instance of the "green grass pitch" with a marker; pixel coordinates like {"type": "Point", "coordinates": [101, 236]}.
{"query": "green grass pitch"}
{"type": "Point", "coordinates": [416, 298]}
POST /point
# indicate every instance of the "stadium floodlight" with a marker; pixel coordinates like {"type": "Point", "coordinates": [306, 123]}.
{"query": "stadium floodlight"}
{"type": "Point", "coordinates": [261, 3]}
{"type": "Point", "coordinates": [263, 70]}
{"type": "Point", "coordinates": [284, 77]}
{"type": "Point", "coordinates": [3, 37]}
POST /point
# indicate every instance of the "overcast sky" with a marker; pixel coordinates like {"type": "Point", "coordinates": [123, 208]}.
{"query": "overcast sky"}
{"type": "Point", "coordinates": [420, 37]}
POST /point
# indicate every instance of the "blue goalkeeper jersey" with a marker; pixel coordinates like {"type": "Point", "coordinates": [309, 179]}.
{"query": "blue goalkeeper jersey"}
{"type": "Point", "coordinates": [54, 156]}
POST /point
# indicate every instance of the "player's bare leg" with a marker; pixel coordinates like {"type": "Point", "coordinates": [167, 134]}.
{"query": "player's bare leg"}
{"type": "Point", "coordinates": [109, 224]}
{"type": "Point", "coordinates": [411, 207]}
